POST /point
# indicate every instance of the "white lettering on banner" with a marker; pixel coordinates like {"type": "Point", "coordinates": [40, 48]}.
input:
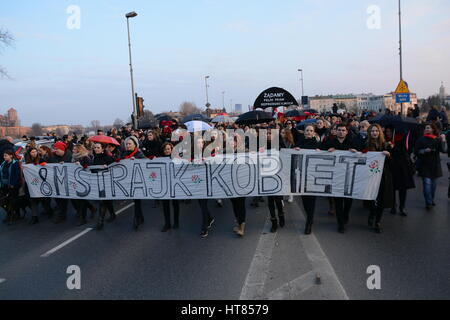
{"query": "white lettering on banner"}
{"type": "Point", "coordinates": [288, 172]}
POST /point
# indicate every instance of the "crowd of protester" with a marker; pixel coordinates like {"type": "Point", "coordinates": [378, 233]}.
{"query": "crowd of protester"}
{"type": "Point", "coordinates": [409, 153]}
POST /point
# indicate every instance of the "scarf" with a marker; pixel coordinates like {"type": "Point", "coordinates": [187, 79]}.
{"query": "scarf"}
{"type": "Point", "coordinates": [432, 136]}
{"type": "Point", "coordinates": [131, 155]}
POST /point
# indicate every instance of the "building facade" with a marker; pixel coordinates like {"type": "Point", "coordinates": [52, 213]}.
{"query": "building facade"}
{"type": "Point", "coordinates": [10, 119]}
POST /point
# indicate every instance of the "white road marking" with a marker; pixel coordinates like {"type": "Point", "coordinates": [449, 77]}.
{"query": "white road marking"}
{"type": "Point", "coordinates": [331, 287]}
{"type": "Point", "coordinates": [62, 245]}
{"type": "Point", "coordinates": [253, 288]}
{"type": "Point", "coordinates": [125, 208]}
{"type": "Point", "coordinates": [295, 287]}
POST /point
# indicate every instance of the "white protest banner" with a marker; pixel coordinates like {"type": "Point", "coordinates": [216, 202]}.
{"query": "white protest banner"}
{"type": "Point", "coordinates": [288, 172]}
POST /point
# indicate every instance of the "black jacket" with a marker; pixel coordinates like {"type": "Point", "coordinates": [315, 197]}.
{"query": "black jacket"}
{"type": "Point", "coordinates": [151, 148]}
{"type": "Point", "coordinates": [304, 143]}
{"type": "Point", "coordinates": [102, 159]}
{"type": "Point", "coordinates": [429, 163]}
{"type": "Point", "coordinates": [67, 157]}
{"type": "Point", "coordinates": [347, 144]}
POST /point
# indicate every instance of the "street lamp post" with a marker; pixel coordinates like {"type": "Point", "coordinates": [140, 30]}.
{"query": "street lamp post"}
{"type": "Point", "coordinates": [207, 97]}
{"type": "Point", "coordinates": [301, 79]}
{"type": "Point", "coordinates": [400, 46]}
{"type": "Point", "coordinates": [128, 16]}
{"type": "Point", "coordinates": [223, 99]}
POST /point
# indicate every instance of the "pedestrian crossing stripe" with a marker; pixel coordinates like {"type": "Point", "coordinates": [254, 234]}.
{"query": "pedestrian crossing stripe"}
{"type": "Point", "coordinates": [402, 87]}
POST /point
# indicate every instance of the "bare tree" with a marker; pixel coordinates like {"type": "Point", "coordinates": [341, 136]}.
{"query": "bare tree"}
{"type": "Point", "coordinates": [147, 120]}
{"type": "Point", "coordinates": [6, 40]}
{"type": "Point", "coordinates": [118, 123]}
{"type": "Point", "coordinates": [36, 129]}
{"type": "Point", "coordinates": [187, 108]}
{"type": "Point", "coordinates": [95, 125]}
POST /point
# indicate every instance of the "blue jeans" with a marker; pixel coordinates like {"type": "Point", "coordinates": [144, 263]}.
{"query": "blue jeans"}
{"type": "Point", "coordinates": [429, 190]}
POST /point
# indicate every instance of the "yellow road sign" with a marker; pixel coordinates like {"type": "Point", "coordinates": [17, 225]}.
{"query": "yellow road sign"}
{"type": "Point", "coordinates": [402, 87]}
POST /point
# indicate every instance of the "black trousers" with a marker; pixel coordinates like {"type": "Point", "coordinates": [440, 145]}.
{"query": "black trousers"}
{"type": "Point", "coordinates": [166, 210]}
{"type": "Point", "coordinates": [138, 209]}
{"type": "Point", "coordinates": [402, 197]}
{"type": "Point", "coordinates": [376, 211]}
{"type": "Point", "coordinates": [343, 207]}
{"type": "Point", "coordinates": [63, 205]}
{"type": "Point", "coordinates": [206, 216]}
{"type": "Point", "coordinates": [104, 206]}
{"type": "Point", "coordinates": [34, 204]}
{"type": "Point", "coordinates": [239, 209]}
{"type": "Point", "coordinates": [309, 203]}
{"type": "Point", "coordinates": [275, 200]}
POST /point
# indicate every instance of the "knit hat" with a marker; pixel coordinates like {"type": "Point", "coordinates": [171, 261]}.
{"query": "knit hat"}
{"type": "Point", "coordinates": [135, 140]}
{"type": "Point", "coordinates": [60, 146]}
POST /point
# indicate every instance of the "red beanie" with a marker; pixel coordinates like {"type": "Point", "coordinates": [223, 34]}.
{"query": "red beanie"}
{"type": "Point", "coordinates": [60, 145]}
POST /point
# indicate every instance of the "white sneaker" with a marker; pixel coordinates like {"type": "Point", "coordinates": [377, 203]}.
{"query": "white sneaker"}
{"type": "Point", "coordinates": [291, 199]}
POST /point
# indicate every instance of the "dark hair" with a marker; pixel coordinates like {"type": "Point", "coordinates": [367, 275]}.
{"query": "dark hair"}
{"type": "Point", "coordinates": [341, 125]}
{"type": "Point", "coordinates": [433, 126]}
{"type": "Point", "coordinates": [9, 152]}
{"type": "Point", "coordinates": [165, 145]}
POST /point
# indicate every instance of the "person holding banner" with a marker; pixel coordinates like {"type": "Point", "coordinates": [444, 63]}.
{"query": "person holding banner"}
{"type": "Point", "coordinates": [132, 152]}
{"type": "Point", "coordinates": [61, 155]}
{"type": "Point", "coordinates": [376, 143]}
{"type": "Point", "coordinates": [239, 209]}
{"type": "Point", "coordinates": [33, 157]}
{"type": "Point", "coordinates": [166, 151]}
{"type": "Point", "coordinates": [345, 143]}
{"type": "Point", "coordinates": [197, 156]}
{"type": "Point", "coordinates": [10, 183]}
{"type": "Point", "coordinates": [101, 158]}
{"type": "Point", "coordinates": [309, 141]}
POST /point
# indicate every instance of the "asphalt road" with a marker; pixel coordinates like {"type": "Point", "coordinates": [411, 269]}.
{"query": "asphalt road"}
{"type": "Point", "coordinates": [119, 263]}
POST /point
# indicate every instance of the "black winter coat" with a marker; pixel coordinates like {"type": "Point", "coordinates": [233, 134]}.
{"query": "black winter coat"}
{"type": "Point", "coordinates": [102, 159]}
{"type": "Point", "coordinates": [385, 198]}
{"type": "Point", "coordinates": [66, 158]}
{"type": "Point", "coordinates": [429, 164]}
{"type": "Point", "coordinates": [402, 167]}
{"type": "Point", "coordinates": [311, 144]}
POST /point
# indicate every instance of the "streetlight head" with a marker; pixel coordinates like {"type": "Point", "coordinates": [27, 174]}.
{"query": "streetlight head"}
{"type": "Point", "coordinates": [300, 69]}
{"type": "Point", "coordinates": [207, 77]}
{"type": "Point", "coordinates": [131, 15]}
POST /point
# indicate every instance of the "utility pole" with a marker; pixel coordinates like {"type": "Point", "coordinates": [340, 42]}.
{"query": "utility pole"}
{"type": "Point", "coordinates": [400, 46]}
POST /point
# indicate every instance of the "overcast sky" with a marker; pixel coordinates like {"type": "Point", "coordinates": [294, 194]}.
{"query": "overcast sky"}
{"type": "Point", "coordinates": [73, 76]}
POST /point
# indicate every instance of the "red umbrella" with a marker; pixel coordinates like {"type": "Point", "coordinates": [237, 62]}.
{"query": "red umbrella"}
{"type": "Point", "coordinates": [104, 139]}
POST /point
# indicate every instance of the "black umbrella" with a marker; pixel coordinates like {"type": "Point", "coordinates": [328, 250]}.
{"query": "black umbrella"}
{"type": "Point", "coordinates": [399, 124]}
{"type": "Point", "coordinates": [294, 113]}
{"type": "Point", "coordinates": [194, 117]}
{"type": "Point", "coordinates": [163, 117]}
{"type": "Point", "coordinates": [254, 117]}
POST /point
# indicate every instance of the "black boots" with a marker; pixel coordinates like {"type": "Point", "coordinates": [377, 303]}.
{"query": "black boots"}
{"type": "Point", "coordinates": [34, 220]}
{"type": "Point", "coordinates": [101, 218]}
{"type": "Point", "coordinates": [282, 221]}
{"type": "Point", "coordinates": [403, 212]}
{"type": "Point", "coordinates": [112, 217]}
{"type": "Point", "coordinates": [377, 228]}
{"type": "Point", "coordinates": [274, 225]}
{"type": "Point", "coordinates": [308, 227]}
